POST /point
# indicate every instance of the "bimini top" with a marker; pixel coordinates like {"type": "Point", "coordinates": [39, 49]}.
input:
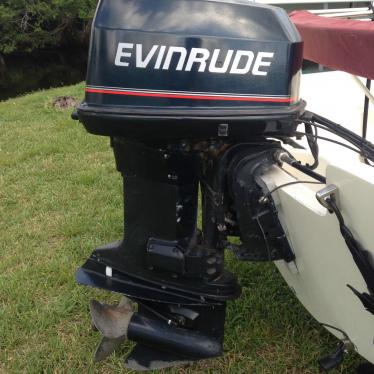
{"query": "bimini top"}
{"type": "Point", "coordinates": [339, 44]}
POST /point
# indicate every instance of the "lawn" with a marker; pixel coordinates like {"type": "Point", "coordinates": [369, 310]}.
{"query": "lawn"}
{"type": "Point", "coordinates": [60, 197]}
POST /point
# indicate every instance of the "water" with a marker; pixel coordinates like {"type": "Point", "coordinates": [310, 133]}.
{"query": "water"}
{"type": "Point", "coordinates": [21, 74]}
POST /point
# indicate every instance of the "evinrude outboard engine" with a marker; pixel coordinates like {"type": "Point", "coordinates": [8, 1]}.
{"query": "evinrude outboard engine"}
{"type": "Point", "coordinates": [190, 92]}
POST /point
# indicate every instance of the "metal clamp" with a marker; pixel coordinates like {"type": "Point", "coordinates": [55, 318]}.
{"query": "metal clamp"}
{"type": "Point", "coordinates": [327, 193]}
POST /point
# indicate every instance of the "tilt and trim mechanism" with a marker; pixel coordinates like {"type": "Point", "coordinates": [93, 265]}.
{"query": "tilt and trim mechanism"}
{"type": "Point", "coordinates": [197, 103]}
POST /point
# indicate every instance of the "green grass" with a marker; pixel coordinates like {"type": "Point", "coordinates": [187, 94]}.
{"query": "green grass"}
{"type": "Point", "coordinates": [60, 197]}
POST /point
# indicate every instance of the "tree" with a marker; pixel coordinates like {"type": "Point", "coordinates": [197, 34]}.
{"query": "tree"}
{"type": "Point", "coordinates": [26, 25]}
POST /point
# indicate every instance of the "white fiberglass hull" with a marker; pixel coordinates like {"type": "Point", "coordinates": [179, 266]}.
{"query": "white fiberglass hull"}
{"type": "Point", "coordinates": [324, 265]}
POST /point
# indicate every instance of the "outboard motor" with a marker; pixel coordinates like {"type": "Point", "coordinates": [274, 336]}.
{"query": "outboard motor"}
{"type": "Point", "coordinates": [192, 94]}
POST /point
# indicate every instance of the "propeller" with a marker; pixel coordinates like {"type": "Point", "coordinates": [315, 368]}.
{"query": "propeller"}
{"type": "Point", "coordinates": [112, 321]}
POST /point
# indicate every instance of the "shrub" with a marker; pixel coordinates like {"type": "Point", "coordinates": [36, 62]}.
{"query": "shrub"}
{"type": "Point", "coordinates": [26, 25]}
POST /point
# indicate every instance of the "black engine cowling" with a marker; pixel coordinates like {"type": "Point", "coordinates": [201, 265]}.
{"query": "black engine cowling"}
{"type": "Point", "coordinates": [181, 68]}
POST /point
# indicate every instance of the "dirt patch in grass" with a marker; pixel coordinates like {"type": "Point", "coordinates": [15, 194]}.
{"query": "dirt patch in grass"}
{"type": "Point", "coordinates": [65, 102]}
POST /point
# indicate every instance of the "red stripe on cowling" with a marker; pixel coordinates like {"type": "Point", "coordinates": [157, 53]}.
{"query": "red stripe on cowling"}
{"type": "Point", "coordinates": [193, 97]}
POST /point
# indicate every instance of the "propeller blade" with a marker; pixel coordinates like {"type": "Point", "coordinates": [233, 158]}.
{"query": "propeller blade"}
{"type": "Point", "coordinates": [126, 302]}
{"type": "Point", "coordinates": [106, 347]}
{"type": "Point", "coordinates": [111, 320]}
